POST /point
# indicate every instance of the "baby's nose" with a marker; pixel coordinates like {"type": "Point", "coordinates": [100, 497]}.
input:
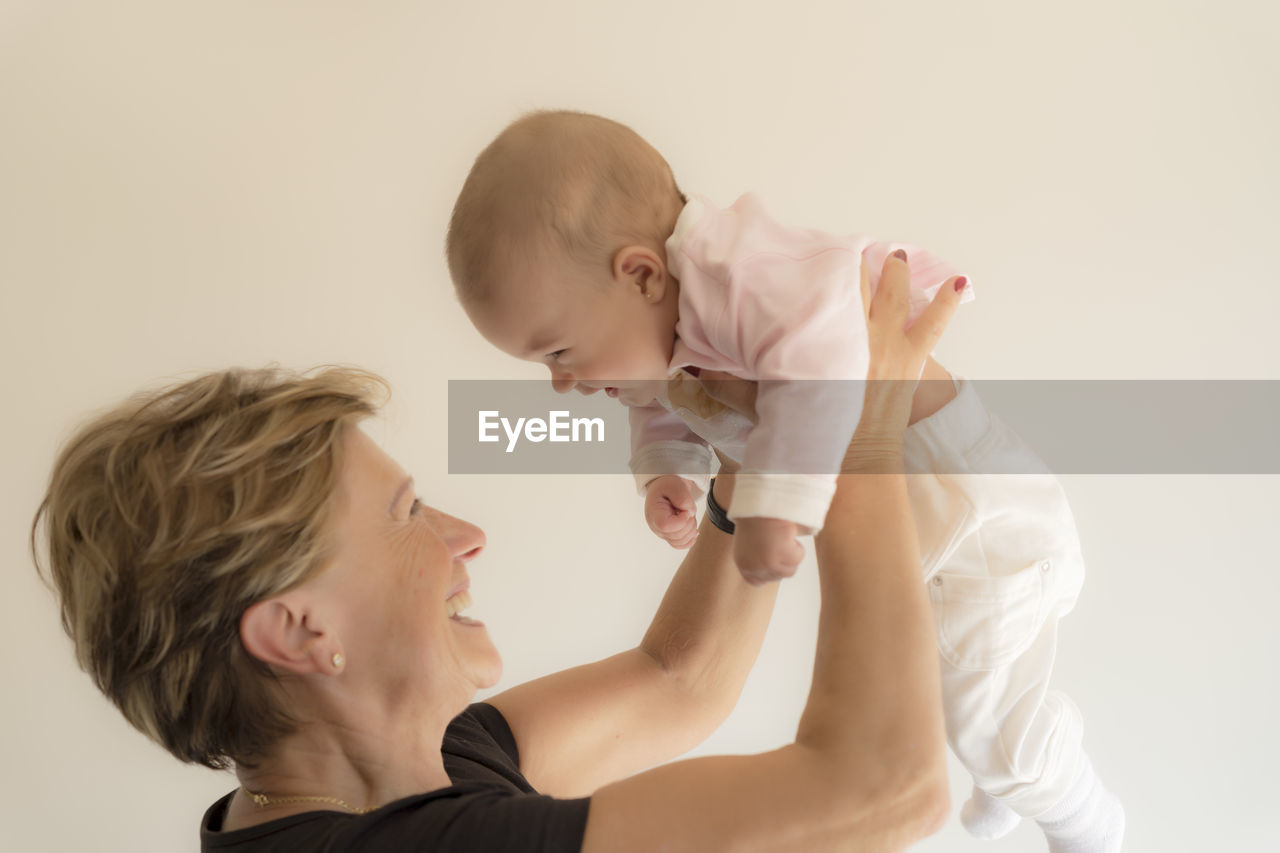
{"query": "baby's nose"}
{"type": "Point", "coordinates": [563, 383]}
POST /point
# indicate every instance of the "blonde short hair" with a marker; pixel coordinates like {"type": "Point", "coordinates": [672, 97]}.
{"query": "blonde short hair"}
{"type": "Point", "coordinates": [168, 516]}
{"type": "Point", "coordinates": [575, 184]}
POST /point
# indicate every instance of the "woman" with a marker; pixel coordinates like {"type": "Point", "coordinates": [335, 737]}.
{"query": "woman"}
{"type": "Point", "coordinates": [254, 583]}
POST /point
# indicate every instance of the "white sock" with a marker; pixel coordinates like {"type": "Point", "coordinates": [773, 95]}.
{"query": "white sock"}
{"type": "Point", "coordinates": [1089, 819]}
{"type": "Point", "coordinates": [986, 817]}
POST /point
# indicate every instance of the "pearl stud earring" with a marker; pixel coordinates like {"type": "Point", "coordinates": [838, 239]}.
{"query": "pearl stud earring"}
{"type": "Point", "coordinates": [337, 660]}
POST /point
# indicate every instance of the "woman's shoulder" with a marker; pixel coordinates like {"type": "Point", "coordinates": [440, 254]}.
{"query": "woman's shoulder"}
{"type": "Point", "coordinates": [482, 723]}
{"type": "Point", "coordinates": [479, 748]}
{"type": "Point", "coordinates": [489, 802]}
{"type": "Point", "coordinates": [324, 829]}
{"type": "Point", "coordinates": [459, 817]}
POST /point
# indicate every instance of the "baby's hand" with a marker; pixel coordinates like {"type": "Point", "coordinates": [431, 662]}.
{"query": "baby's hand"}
{"type": "Point", "coordinates": [670, 510]}
{"type": "Point", "coordinates": [766, 549]}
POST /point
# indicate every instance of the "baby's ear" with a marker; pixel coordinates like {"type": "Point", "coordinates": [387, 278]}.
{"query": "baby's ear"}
{"type": "Point", "coordinates": [639, 267]}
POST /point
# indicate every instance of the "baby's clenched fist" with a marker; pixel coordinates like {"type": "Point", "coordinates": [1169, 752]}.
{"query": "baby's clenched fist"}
{"type": "Point", "coordinates": [670, 510]}
{"type": "Point", "coordinates": [766, 549]}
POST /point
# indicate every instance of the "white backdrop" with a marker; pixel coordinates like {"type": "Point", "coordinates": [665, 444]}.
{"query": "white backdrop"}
{"type": "Point", "coordinates": [191, 185]}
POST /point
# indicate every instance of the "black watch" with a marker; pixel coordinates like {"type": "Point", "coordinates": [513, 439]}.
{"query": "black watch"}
{"type": "Point", "coordinates": [715, 512]}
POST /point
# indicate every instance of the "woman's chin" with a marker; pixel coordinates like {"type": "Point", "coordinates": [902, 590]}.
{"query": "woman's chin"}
{"type": "Point", "coordinates": [475, 654]}
{"type": "Point", "coordinates": [487, 668]}
{"type": "Point", "coordinates": [490, 675]}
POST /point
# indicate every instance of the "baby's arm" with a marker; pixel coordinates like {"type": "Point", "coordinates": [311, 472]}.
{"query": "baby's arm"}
{"type": "Point", "coordinates": [806, 412]}
{"type": "Point", "coordinates": [671, 465]}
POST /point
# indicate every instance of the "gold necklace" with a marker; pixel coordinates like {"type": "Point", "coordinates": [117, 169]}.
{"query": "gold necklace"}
{"type": "Point", "coordinates": [262, 801]}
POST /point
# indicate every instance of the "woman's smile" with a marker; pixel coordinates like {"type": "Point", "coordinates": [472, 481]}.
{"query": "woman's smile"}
{"type": "Point", "coordinates": [457, 603]}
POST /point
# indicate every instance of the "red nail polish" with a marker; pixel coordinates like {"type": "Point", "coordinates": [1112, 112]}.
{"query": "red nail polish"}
{"type": "Point", "coordinates": [900, 254]}
{"type": "Point", "coordinates": [960, 283]}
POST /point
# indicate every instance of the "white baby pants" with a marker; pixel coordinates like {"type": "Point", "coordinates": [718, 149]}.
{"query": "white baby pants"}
{"type": "Point", "coordinates": [1002, 562]}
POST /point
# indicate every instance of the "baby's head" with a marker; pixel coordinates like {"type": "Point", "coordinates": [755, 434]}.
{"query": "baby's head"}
{"type": "Point", "coordinates": [557, 249]}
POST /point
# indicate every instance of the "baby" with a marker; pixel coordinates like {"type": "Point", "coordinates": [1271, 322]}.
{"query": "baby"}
{"type": "Point", "coordinates": [571, 245]}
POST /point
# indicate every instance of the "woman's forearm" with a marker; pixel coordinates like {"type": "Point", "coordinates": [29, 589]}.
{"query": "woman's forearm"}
{"type": "Point", "coordinates": [709, 628]}
{"type": "Point", "coordinates": [875, 703]}
{"type": "Point", "coordinates": [867, 769]}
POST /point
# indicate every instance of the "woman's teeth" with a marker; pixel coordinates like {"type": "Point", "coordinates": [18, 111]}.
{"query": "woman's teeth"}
{"type": "Point", "coordinates": [458, 602]}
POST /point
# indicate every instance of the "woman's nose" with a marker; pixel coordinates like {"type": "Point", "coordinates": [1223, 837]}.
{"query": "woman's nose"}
{"type": "Point", "coordinates": [464, 540]}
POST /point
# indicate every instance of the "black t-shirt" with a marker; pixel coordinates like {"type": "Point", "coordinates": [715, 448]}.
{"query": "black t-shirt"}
{"type": "Point", "coordinates": [489, 807]}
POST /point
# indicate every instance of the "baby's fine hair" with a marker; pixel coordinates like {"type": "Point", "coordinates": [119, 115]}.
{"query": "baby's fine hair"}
{"type": "Point", "coordinates": [560, 185]}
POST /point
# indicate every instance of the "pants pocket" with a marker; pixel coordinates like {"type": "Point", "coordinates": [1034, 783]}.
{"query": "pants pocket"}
{"type": "Point", "coordinates": [986, 622]}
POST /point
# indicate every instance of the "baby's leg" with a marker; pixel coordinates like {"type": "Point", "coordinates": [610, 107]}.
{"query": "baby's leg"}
{"type": "Point", "coordinates": [1003, 564]}
{"type": "Point", "coordinates": [1021, 740]}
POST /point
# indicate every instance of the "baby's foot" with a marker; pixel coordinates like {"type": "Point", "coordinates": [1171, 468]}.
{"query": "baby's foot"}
{"type": "Point", "coordinates": [986, 817]}
{"type": "Point", "coordinates": [1089, 819]}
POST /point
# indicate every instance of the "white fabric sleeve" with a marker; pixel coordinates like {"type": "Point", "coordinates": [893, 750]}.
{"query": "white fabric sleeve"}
{"type": "Point", "coordinates": [800, 330]}
{"type": "Point", "coordinates": [797, 498]}
{"type": "Point", "coordinates": [661, 443]}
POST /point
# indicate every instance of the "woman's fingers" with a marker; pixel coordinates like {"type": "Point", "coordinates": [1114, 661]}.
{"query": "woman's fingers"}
{"type": "Point", "coordinates": [933, 321]}
{"type": "Point", "coordinates": [897, 352]}
{"type": "Point", "coordinates": [892, 301]}
{"type": "Point", "coordinates": [865, 285]}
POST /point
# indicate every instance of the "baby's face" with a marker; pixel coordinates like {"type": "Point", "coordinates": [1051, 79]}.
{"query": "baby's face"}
{"type": "Point", "coordinates": [591, 335]}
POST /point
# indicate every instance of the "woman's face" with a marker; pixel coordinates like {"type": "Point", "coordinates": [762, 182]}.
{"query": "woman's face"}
{"type": "Point", "coordinates": [397, 563]}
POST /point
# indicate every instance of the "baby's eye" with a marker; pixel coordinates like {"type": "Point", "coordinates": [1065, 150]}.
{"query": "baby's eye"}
{"type": "Point", "coordinates": [555, 355]}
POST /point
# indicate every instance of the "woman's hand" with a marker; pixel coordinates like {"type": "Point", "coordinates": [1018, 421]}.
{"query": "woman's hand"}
{"type": "Point", "coordinates": [868, 767]}
{"type": "Point", "coordinates": [898, 355]}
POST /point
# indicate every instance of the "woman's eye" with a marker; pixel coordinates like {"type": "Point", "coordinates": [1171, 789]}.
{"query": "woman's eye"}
{"type": "Point", "coordinates": [416, 508]}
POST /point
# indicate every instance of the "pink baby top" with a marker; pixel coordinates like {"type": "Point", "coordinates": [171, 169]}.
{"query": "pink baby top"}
{"type": "Point", "coordinates": [782, 306]}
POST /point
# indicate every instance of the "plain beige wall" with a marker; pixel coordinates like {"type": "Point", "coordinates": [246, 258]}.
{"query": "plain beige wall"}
{"type": "Point", "coordinates": [190, 185]}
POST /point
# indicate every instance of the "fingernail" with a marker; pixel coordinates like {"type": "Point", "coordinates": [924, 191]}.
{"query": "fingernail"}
{"type": "Point", "coordinates": [900, 254]}
{"type": "Point", "coordinates": [960, 283]}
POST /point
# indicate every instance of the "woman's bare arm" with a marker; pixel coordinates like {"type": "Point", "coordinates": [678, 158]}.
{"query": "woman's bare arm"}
{"type": "Point", "coordinates": [868, 762]}
{"type": "Point", "coordinates": [588, 726]}
{"type": "Point", "coordinates": [867, 768]}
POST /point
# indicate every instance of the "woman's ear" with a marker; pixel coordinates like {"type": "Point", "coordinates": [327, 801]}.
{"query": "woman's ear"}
{"type": "Point", "coordinates": [283, 632]}
{"type": "Point", "coordinates": [640, 268]}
